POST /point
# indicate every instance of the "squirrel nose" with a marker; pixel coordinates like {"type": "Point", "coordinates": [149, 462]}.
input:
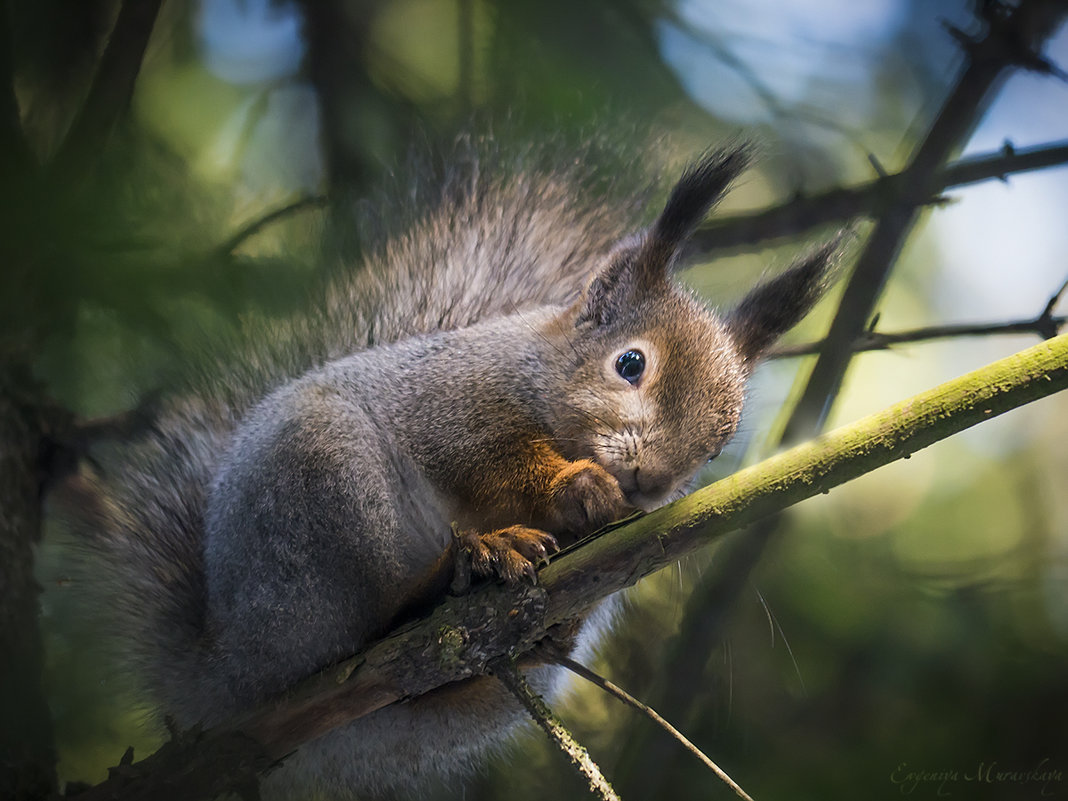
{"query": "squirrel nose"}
{"type": "Point", "coordinates": [653, 481]}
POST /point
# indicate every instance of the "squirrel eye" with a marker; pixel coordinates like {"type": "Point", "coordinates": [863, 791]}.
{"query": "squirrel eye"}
{"type": "Point", "coordinates": [630, 365]}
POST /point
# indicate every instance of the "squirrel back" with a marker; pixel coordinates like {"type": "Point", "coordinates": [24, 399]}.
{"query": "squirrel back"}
{"type": "Point", "coordinates": [516, 359]}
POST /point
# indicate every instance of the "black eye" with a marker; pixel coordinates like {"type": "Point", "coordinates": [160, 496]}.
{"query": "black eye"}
{"type": "Point", "coordinates": [630, 365]}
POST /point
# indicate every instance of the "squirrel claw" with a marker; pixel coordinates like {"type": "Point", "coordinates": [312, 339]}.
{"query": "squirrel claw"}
{"type": "Point", "coordinates": [587, 497]}
{"type": "Point", "coordinates": [509, 553]}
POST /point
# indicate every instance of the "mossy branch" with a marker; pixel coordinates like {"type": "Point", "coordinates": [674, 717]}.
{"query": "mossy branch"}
{"type": "Point", "coordinates": [506, 670]}
{"type": "Point", "coordinates": [464, 635]}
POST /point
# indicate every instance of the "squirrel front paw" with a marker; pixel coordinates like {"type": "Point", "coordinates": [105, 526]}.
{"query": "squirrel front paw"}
{"type": "Point", "coordinates": [509, 553]}
{"type": "Point", "coordinates": [586, 497]}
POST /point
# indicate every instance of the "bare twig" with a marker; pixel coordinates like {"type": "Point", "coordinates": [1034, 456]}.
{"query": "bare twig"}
{"type": "Point", "coordinates": [253, 227]}
{"type": "Point", "coordinates": [649, 712]}
{"type": "Point", "coordinates": [1047, 310]}
{"type": "Point", "coordinates": [1045, 325]}
{"type": "Point", "coordinates": [684, 663]}
{"type": "Point", "coordinates": [112, 87]}
{"type": "Point", "coordinates": [869, 199]}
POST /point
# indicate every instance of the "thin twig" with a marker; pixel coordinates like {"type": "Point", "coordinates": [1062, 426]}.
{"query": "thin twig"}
{"type": "Point", "coordinates": [877, 340]}
{"type": "Point", "coordinates": [505, 670]}
{"type": "Point", "coordinates": [253, 227]}
{"type": "Point", "coordinates": [1054, 299]}
{"type": "Point", "coordinates": [649, 712]}
{"type": "Point", "coordinates": [685, 656]}
{"type": "Point", "coordinates": [1046, 325]}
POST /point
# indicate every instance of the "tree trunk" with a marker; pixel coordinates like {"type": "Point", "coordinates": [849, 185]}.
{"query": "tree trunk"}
{"type": "Point", "coordinates": [27, 755]}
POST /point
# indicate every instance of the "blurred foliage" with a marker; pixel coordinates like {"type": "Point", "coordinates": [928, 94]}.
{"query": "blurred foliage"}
{"type": "Point", "coordinates": [915, 620]}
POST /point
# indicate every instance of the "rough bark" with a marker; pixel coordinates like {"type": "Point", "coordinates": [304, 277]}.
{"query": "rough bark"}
{"type": "Point", "coordinates": [27, 757]}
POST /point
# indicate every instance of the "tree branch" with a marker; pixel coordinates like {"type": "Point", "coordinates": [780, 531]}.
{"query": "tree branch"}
{"type": "Point", "coordinates": [1013, 38]}
{"type": "Point", "coordinates": [462, 636]}
{"type": "Point", "coordinates": [253, 227]}
{"type": "Point", "coordinates": [869, 199]}
{"type": "Point", "coordinates": [509, 675]}
{"type": "Point", "coordinates": [15, 153]}
{"type": "Point", "coordinates": [1046, 325]}
{"type": "Point", "coordinates": [878, 340]}
{"type": "Point", "coordinates": [27, 752]}
{"type": "Point", "coordinates": [649, 712]}
{"type": "Point", "coordinates": [111, 90]}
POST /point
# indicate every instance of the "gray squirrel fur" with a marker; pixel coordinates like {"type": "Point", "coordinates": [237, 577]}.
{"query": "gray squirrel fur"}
{"type": "Point", "coordinates": [279, 519]}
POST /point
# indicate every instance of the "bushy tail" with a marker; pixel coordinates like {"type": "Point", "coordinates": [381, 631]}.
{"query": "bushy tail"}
{"type": "Point", "coordinates": [486, 237]}
{"type": "Point", "coordinates": [138, 514]}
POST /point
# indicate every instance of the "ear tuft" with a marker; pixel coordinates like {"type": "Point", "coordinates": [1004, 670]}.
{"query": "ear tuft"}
{"type": "Point", "coordinates": [776, 306]}
{"type": "Point", "coordinates": [639, 264]}
{"type": "Point", "coordinates": [698, 190]}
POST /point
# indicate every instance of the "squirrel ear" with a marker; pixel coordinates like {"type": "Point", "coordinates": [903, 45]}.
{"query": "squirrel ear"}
{"type": "Point", "coordinates": [610, 291]}
{"type": "Point", "coordinates": [640, 263]}
{"type": "Point", "coordinates": [776, 306]}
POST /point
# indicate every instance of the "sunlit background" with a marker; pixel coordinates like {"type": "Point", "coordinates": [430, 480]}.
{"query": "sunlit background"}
{"type": "Point", "coordinates": [914, 620]}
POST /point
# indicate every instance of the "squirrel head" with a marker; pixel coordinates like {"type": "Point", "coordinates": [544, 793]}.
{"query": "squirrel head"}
{"type": "Point", "coordinates": [655, 380]}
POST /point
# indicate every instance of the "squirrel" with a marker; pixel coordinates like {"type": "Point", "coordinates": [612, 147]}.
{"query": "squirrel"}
{"type": "Point", "coordinates": [518, 362]}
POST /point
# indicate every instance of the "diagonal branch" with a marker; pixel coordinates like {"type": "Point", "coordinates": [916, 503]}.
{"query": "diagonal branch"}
{"type": "Point", "coordinates": [462, 636]}
{"type": "Point", "coordinates": [111, 90]}
{"type": "Point", "coordinates": [653, 715]}
{"type": "Point", "coordinates": [1011, 40]}
{"type": "Point", "coordinates": [505, 670]}
{"type": "Point", "coordinates": [15, 153]}
{"type": "Point", "coordinates": [869, 199]}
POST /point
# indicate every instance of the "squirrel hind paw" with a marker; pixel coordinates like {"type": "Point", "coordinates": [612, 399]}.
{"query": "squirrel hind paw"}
{"type": "Point", "coordinates": [510, 554]}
